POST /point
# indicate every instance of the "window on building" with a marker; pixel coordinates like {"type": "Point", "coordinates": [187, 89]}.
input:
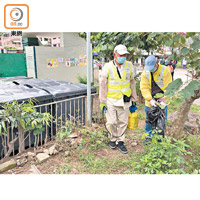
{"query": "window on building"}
{"type": "Point", "coordinates": [54, 45]}
{"type": "Point", "coordinates": [6, 34]}
{"type": "Point", "coordinates": [45, 39]}
{"type": "Point", "coordinates": [54, 38]}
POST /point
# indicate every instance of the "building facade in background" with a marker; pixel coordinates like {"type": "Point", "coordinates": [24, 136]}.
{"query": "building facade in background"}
{"type": "Point", "coordinates": [11, 43]}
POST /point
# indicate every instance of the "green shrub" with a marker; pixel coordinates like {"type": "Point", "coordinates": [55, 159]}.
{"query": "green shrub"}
{"type": "Point", "coordinates": [83, 80]}
{"type": "Point", "coordinates": [65, 130]}
{"type": "Point", "coordinates": [194, 142]}
{"type": "Point", "coordinates": [97, 139]}
{"type": "Point", "coordinates": [165, 157]}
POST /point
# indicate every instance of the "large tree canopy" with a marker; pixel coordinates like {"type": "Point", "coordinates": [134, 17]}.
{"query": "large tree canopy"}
{"type": "Point", "coordinates": [105, 42]}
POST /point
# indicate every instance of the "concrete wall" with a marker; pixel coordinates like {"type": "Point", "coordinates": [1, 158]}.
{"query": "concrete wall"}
{"type": "Point", "coordinates": [73, 40]}
{"type": "Point", "coordinates": [74, 46]}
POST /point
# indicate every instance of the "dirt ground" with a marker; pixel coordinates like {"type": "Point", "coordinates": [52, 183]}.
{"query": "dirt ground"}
{"type": "Point", "coordinates": [89, 160]}
{"type": "Point", "coordinates": [56, 162]}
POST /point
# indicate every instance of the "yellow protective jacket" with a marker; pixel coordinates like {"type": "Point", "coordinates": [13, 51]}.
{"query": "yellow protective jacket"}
{"type": "Point", "coordinates": [118, 87]}
{"type": "Point", "coordinates": [162, 77]}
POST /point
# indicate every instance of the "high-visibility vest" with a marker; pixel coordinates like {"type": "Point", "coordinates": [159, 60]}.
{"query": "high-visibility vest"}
{"type": "Point", "coordinates": [159, 78]}
{"type": "Point", "coordinates": [118, 87]}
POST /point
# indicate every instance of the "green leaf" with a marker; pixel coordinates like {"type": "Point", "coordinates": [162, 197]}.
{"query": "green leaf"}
{"type": "Point", "coordinates": [176, 38]}
{"type": "Point", "coordinates": [169, 43]}
{"type": "Point", "coordinates": [196, 45]}
{"type": "Point", "coordinates": [190, 34]}
{"type": "Point", "coordinates": [104, 47]}
{"type": "Point", "coordinates": [159, 95]}
{"type": "Point", "coordinates": [37, 132]}
{"type": "Point", "coordinates": [162, 107]}
{"type": "Point", "coordinates": [184, 51]}
{"type": "Point", "coordinates": [151, 36]}
{"type": "Point", "coordinates": [128, 37]}
{"type": "Point", "coordinates": [188, 91]}
{"type": "Point", "coordinates": [4, 126]}
{"type": "Point", "coordinates": [22, 124]}
{"type": "Point", "coordinates": [131, 48]}
{"type": "Point", "coordinates": [141, 43]}
{"type": "Point", "coordinates": [194, 84]}
{"type": "Point", "coordinates": [110, 47]}
{"type": "Point", "coordinates": [183, 40]}
{"type": "Point", "coordinates": [173, 87]}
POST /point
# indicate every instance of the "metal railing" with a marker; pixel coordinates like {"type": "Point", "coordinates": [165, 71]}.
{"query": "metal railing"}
{"type": "Point", "coordinates": [69, 109]}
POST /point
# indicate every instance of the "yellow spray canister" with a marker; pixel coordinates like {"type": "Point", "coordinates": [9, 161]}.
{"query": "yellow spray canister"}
{"type": "Point", "coordinates": [133, 118]}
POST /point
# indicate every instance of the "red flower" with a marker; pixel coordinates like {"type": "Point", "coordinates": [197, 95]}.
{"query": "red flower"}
{"type": "Point", "coordinates": [182, 33]}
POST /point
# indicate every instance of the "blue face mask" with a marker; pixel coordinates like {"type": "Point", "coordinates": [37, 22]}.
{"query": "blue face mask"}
{"type": "Point", "coordinates": [154, 69]}
{"type": "Point", "coordinates": [121, 60]}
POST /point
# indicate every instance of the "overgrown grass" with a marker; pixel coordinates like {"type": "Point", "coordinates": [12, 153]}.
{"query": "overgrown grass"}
{"type": "Point", "coordinates": [95, 157]}
{"type": "Point", "coordinates": [95, 140]}
{"type": "Point", "coordinates": [66, 169]}
{"type": "Point", "coordinates": [141, 116]}
{"type": "Point", "coordinates": [92, 164]}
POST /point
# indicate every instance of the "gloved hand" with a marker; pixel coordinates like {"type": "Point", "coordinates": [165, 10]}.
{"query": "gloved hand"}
{"type": "Point", "coordinates": [133, 108]}
{"type": "Point", "coordinates": [102, 106]}
{"type": "Point", "coordinates": [163, 103]}
{"type": "Point", "coordinates": [153, 102]}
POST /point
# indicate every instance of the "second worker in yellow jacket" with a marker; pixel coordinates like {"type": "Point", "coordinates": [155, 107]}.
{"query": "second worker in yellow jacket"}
{"type": "Point", "coordinates": [161, 75]}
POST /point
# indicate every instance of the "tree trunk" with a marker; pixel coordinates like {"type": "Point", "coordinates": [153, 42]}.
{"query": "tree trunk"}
{"type": "Point", "coordinates": [180, 119]}
{"type": "Point", "coordinates": [21, 138]}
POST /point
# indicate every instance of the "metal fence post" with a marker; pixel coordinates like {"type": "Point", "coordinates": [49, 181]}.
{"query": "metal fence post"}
{"type": "Point", "coordinates": [89, 110]}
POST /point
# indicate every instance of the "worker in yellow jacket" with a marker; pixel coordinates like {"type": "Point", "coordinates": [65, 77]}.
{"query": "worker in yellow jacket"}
{"type": "Point", "coordinates": [117, 90]}
{"type": "Point", "coordinates": [154, 74]}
